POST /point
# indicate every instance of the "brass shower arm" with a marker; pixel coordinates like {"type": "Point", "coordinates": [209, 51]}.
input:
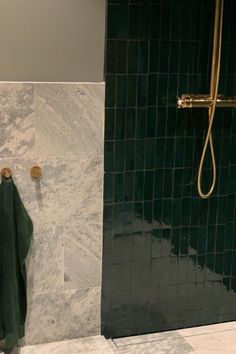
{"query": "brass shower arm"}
{"type": "Point", "coordinates": [204, 101]}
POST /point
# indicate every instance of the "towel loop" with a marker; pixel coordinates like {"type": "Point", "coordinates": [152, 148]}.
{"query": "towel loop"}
{"type": "Point", "coordinates": [6, 172]}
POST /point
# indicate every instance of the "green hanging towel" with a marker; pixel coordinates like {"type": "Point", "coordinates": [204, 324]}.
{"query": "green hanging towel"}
{"type": "Point", "coordinates": [16, 230]}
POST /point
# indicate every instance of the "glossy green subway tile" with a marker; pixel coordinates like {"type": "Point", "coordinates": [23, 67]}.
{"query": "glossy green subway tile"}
{"type": "Point", "coordinates": [148, 185]}
{"type": "Point", "coordinates": [111, 56]}
{"type": "Point", "coordinates": [119, 156]}
{"type": "Point", "coordinates": [152, 89]}
{"type": "Point", "coordinates": [110, 124]}
{"type": "Point", "coordinates": [160, 153]}
{"type": "Point", "coordinates": [150, 153]}
{"type": "Point", "coordinates": [155, 21]}
{"type": "Point", "coordinates": [202, 240]}
{"type": "Point", "coordinates": [108, 187]}
{"type": "Point", "coordinates": [175, 242]}
{"type": "Point", "coordinates": [158, 212]}
{"type": "Point", "coordinates": [165, 21]}
{"type": "Point", "coordinates": [141, 123]}
{"type": "Point", "coordinates": [168, 185]}
{"type": "Point", "coordinates": [229, 235]}
{"type": "Point", "coordinates": [112, 22]}
{"type": "Point", "coordinates": [110, 90]}
{"type": "Point", "coordinates": [142, 91]}
{"type": "Point", "coordinates": [118, 187]}
{"type": "Point", "coordinates": [139, 154]}
{"type": "Point", "coordinates": [143, 57]}
{"type": "Point", "coordinates": [129, 154]}
{"type": "Point", "coordinates": [176, 211]}
{"type": "Point", "coordinates": [139, 185]}
{"type": "Point", "coordinates": [131, 90]}
{"type": "Point", "coordinates": [227, 262]}
{"type": "Point", "coordinates": [151, 122]}
{"type": "Point", "coordinates": [178, 183]}
{"type": "Point", "coordinates": [132, 57]}
{"type": "Point", "coordinates": [121, 86]}
{"type": "Point", "coordinates": [148, 215]}
{"type": "Point", "coordinates": [134, 21]}
{"type": "Point", "coordinates": [130, 123]}
{"type": "Point", "coordinates": [186, 207]}
{"type": "Point", "coordinates": [109, 156]}
{"type": "Point", "coordinates": [154, 56]}
{"type": "Point", "coordinates": [169, 152]}
{"type": "Point", "coordinates": [120, 124]}
{"type": "Point", "coordinates": [121, 57]}
{"type": "Point", "coordinates": [167, 212]}
{"type": "Point", "coordinates": [158, 185]}
{"type": "Point", "coordinates": [164, 56]}
{"type": "Point", "coordinates": [122, 21]}
{"type": "Point", "coordinates": [161, 122]}
{"type": "Point", "coordinates": [162, 90]}
{"type": "Point", "coordinates": [144, 21]}
{"type": "Point", "coordinates": [129, 186]}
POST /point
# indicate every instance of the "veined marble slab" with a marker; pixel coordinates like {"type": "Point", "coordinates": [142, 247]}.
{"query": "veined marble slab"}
{"type": "Point", "coordinates": [62, 315]}
{"type": "Point", "coordinates": [69, 118]}
{"type": "Point", "coordinates": [93, 345]}
{"type": "Point", "coordinates": [45, 262]}
{"type": "Point", "coordinates": [68, 190]}
{"type": "Point", "coordinates": [17, 119]}
{"type": "Point", "coordinates": [83, 243]}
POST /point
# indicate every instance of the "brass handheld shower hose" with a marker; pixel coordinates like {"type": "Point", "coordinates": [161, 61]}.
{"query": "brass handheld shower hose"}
{"type": "Point", "coordinates": [215, 73]}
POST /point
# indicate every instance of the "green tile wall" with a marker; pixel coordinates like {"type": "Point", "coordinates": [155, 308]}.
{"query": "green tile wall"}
{"type": "Point", "coordinates": [169, 258]}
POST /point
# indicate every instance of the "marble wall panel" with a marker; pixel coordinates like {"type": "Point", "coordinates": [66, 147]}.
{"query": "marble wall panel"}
{"type": "Point", "coordinates": [69, 119]}
{"type": "Point", "coordinates": [17, 119]}
{"type": "Point", "coordinates": [62, 315]}
{"type": "Point", "coordinates": [60, 128]}
{"type": "Point", "coordinates": [83, 243]}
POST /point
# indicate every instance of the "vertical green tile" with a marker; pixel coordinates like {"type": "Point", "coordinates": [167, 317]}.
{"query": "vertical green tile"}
{"type": "Point", "coordinates": [121, 57]}
{"type": "Point", "coordinates": [150, 154]}
{"type": "Point", "coordinates": [121, 86]}
{"type": "Point", "coordinates": [129, 186]}
{"type": "Point", "coordinates": [109, 124]}
{"type": "Point", "coordinates": [130, 123]}
{"type": "Point", "coordinates": [120, 124]}
{"type": "Point", "coordinates": [132, 57]}
{"type": "Point", "coordinates": [119, 187]}
{"type": "Point", "coordinates": [129, 154]}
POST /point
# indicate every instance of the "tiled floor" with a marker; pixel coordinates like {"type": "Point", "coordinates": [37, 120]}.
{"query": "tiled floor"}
{"type": "Point", "coordinates": [213, 339]}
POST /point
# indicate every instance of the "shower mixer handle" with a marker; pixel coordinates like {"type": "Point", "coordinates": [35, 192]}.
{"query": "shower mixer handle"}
{"type": "Point", "coordinates": [204, 101]}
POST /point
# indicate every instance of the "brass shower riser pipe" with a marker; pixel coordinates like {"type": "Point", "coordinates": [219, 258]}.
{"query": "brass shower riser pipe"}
{"type": "Point", "coordinates": [205, 101]}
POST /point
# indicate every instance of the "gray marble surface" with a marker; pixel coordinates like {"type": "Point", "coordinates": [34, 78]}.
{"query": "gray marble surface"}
{"type": "Point", "coordinates": [62, 315]}
{"type": "Point", "coordinates": [17, 119]}
{"type": "Point", "coordinates": [60, 128]}
{"type": "Point", "coordinates": [69, 119]}
{"type": "Point", "coordinates": [45, 262]}
{"type": "Point", "coordinates": [69, 190]}
{"type": "Point", "coordinates": [83, 243]}
{"type": "Point", "coordinates": [93, 345]}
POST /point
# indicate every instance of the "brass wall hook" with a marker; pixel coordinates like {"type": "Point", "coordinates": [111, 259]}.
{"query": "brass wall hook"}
{"type": "Point", "coordinates": [6, 172]}
{"type": "Point", "coordinates": [36, 171]}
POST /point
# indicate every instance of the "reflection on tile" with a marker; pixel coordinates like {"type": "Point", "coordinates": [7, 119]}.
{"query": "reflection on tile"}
{"type": "Point", "coordinates": [68, 190]}
{"type": "Point", "coordinates": [45, 263]}
{"type": "Point", "coordinates": [82, 255]}
{"type": "Point", "coordinates": [17, 119]}
{"type": "Point", "coordinates": [62, 315]}
{"type": "Point", "coordinates": [93, 345]}
{"type": "Point", "coordinates": [69, 119]}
